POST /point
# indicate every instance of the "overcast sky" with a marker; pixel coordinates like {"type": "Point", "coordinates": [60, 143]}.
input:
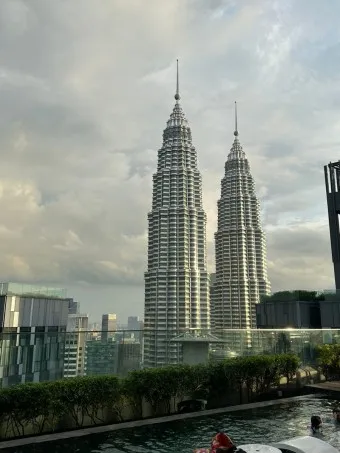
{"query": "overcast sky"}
{"type": "Point", "coordinates": [86, 88]}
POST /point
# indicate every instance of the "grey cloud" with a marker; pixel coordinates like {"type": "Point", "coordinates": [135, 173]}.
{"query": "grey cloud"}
{"type": "Point", "coordinates": [86, 93]}
{"type": "Point", "coordinates": [300, 257]}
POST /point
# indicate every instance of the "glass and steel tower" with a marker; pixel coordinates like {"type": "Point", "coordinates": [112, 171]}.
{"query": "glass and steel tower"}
{"type": "Point", "coordinates": [240, 247]}
{"type": "Point", "coordinates": [176, 281]}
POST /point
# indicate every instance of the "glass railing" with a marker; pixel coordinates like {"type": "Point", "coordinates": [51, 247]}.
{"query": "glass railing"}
{"type": "Point", "coordinates": [46, 356]}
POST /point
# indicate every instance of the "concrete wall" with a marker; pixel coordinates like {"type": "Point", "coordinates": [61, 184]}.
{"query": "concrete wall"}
{"type": "Point", "coordinates": [330, 314]}
{"type": "Point", "coordinates": [276, 314]}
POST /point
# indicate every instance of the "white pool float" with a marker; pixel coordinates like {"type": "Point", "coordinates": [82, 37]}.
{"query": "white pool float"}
{"type": "Point", "coordinates": [305, 444]}
{"type": "Point", "coordinates": [259, 448]}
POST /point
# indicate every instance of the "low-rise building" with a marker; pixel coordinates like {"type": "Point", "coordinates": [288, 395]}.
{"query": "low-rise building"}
{"type": "Point", "coordinates": [295, 309]}
{"type": "Point", "coordinates": [33, 321]}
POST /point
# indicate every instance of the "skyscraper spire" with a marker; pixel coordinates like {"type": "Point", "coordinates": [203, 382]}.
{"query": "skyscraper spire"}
{"type": "Point", "coordinates": [236, 130]}
{"type": "Point", "coordinates": [177, 96]}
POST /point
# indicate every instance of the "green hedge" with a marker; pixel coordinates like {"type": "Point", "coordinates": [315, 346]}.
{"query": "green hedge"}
{"type": "Point", "coordinates": [52, 406]}
{"type": "Point", "coordinates": [328, 358]}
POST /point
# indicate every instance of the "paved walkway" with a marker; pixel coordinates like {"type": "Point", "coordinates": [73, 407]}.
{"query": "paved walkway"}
{"type": "Point", "coordinates": [333, 386]}
{"type": "Point", "coordinates": [59, 437]}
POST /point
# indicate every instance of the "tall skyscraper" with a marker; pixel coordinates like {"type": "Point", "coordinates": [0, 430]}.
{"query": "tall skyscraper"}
{"type": "Point", "coordinates": [332, 180]}
{"type": "Point", "coordinates": [241, 263]}
{"type": "Point", "coordinates": [176, 281]}
{"type": "Point", "coordinates": [109, 325]}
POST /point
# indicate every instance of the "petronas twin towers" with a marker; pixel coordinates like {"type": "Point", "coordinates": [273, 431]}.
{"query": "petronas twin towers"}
{"type": "Point", "coordinates": [177, 281]}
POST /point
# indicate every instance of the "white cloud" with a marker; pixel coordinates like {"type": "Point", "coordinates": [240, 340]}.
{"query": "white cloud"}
{"type": "Point", "coordinates": [85, 94]}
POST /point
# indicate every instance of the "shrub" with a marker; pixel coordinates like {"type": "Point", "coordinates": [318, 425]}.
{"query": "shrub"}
{"type": "Point", "coordinates": [86, 396]}
{"type": "Point", "coordinates": [43, 406]}
{"type": "Point", "coordinates": [328, 359]}
{"type": "Point", "coordinates": [257, 373]}
{"type": "Point", "coordinates": [25, 405]}
{"type": "Point", "coordinates": [160, 386]}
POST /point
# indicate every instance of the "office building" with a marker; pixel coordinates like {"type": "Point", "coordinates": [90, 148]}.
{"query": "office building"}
{"type": "Point", "coordinates": [240, 248]}
{"type": "Point", "coordinates": [134, 327]}
{"type": "Point", "coordinates": [133, 323]}
{"type": "Point", "coordinates": [129, 356]}
{"type": "Point", "coordinates": [75, 345]}
{"type": "Point", "coordinates": [109, 326]}
{"type": "Point", "coordinates": [33, 322]}
{"type": "Point", "coordinates": [176, 281]}
{"type": "Point", "coordinates": [101, 357]}
{"type": "Point", "coordinates": [73, 307]}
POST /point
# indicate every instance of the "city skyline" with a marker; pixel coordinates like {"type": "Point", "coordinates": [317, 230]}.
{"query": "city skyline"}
{"type": "Point", "coordinates": [81, 108]}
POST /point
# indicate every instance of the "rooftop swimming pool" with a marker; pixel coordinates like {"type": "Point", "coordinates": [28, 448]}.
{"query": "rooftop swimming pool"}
{"type": "Point", "coordinates": [264, 425]}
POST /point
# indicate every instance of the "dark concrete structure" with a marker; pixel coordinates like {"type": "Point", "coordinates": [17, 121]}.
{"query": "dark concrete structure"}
{"type": "Point", "coordinates": [299, 310]}
{"type": "Point", "coordinates": [332, 180]}
{"type": "Point", "coordinates": [330, 310]}
{"type": "Point", "coordinates": [282, 314]}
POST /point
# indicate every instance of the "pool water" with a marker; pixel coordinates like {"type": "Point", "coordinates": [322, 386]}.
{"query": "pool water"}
{"type": "Point", "coordinates": [264, 425]}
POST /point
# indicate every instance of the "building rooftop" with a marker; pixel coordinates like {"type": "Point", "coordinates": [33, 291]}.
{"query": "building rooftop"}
{"type": "Point", "coordinates": [23, 289]}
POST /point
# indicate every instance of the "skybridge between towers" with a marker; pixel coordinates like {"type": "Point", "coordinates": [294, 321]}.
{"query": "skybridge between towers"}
{"type": "Point", "coordinates": [332, 180]}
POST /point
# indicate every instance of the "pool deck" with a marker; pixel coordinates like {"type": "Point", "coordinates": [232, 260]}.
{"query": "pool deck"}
{"type": "Point", "coordinates": [330, 386]}
{"type": "Point", "coordinates": [145, 422]}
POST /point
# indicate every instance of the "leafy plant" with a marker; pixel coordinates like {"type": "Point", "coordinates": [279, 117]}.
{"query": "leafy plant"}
{"type": "Point", "coordinates": [328, 359]}
{"type": "Point", "coordinates": [25, 405]}
{"type": "Point", "coordinates": [87, 396]}
{"type": "Point", "coordinates": [42, 407]}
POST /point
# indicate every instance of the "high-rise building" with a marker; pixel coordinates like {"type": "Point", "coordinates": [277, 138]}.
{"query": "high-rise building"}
{"type": "Point", "coordinates": [133, 323]}
{"type": "Point", "coordinates": [101, 357]}
{"type": "Point", "coordinates": [241, 263]}
{"type": "Point", "coordinates": [33, 322]}
{"type": "Point", "coordinates": [73, 307]}
{"type": "Point", "coordinates": [134, 327]}
{"type": "Point", "coordinates": [129, 356]}
{"type": "Point", "coordinates": [75, 345]}
{"type": "Point", "coordinates": [109, 325]}
{"type": "Point", "coordinates": [332, 180]}
{"type": "Point", "coordinates": [176, 281]}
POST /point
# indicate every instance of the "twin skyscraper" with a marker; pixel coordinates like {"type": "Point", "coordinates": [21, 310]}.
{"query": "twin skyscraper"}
{"type": "Point", "coordinates": [177, 282]}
